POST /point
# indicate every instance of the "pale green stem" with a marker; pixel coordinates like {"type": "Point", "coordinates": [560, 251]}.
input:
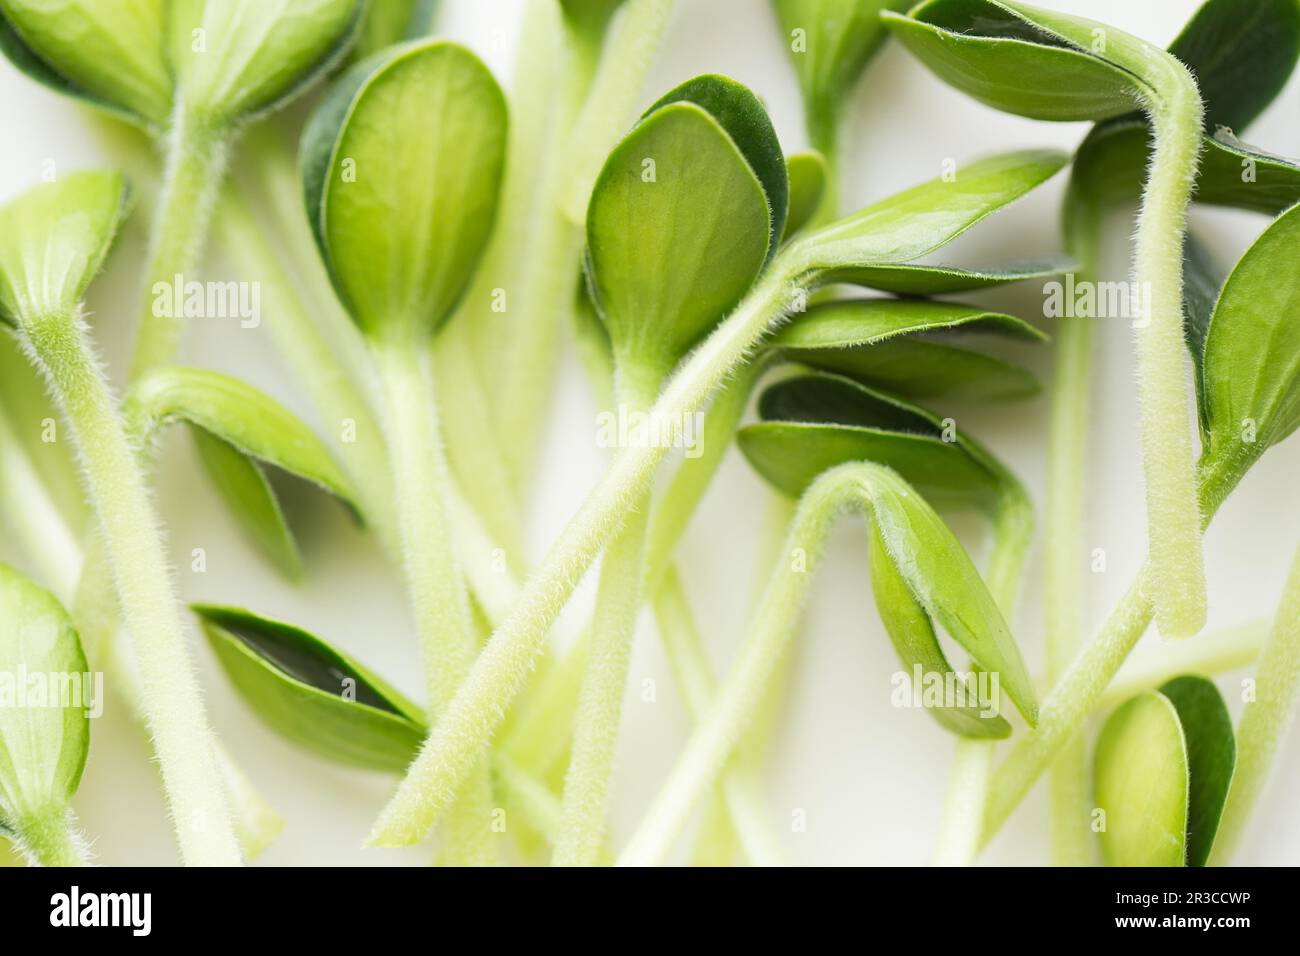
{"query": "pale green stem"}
{"type": "Point", "coordinates": [353, 430]}
{"type": "Point", "coordinates": [739, 811]}
{"type": "Point", "coordinates": [172, 699]}
{"type": "Point", "coordinates": [1072, 841]}
{"type": "Point", "coordinates": [1080, 688]}
{"type": "Point", "coordinates": [1177, 578]}
{"type": "Point", "coordinates": [1218, 653]}
{"type": "Point", "coordinates": [627, 59]}
{"type": "Point", "coordinates": [1266, 721]}
{"type": "Point", "coordinates": [195, 167]}
{"type": "Point", "coordinates": [458, 739]}
{"type": "Point", "coordinates": [741, 697]}
{"type": "Point", "coordinates": [613, 628]}
{"type": "Point", "coordinates": [48, 839]}
{"type": "Point", "coordinates": [434, 582]}
{"type": "Point", "coordinates": [30, 514]}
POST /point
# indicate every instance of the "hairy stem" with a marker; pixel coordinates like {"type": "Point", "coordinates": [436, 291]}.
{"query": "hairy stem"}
{"type": "Point", "coordinates": [1177, 577]}
{"type": "Point", "coordinates": [434, 582]}
{"type": "Point", "coordinates": [195, 166]}
{"type": "Point", "coordinates": [48, 839]}
{"type": "Point", "coordinates": [172, 700]}
{"type": "Point", "coordinates": [1266, 720]}
{"type": "Point", "coordinates": [457, 740]}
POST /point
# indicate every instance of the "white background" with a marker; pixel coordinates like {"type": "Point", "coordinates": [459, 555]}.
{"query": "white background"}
{"type": "Point", "coordinates": [870, 778]}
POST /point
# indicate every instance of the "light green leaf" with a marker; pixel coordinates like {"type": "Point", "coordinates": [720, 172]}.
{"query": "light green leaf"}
{"type": "Point", "coordinates": [402, 167]}
{"type": "Point", "coordinates": [108, 52]}
{"type": "Point", "coordinates": [851, 323]}
{"type": "Point", "coordinates": [920, 220]}
{"type": "Point", "coordinates": [1211, 758]}
{"type": "Point", "coordinates": [912, 633]}
{"type": "Point", "coordinates": [1251, 372]}
{"type": "Point", "coordinates": [830, 43]}
{"type": "Point", "coordinates": [237, 429]}
{"type": "Point", "coordinates": [43, 744]}
{"type": "Point", "coordinates": [53, 239]}
{"type": "Point", "coordinates": [943, 581]}
{"type": "Point", "coordinates": [740, 113]}
{"type": "Point", "coordinates": [808, 176]}
{"type": "Point", "coordinates": [986, 50]}
{"type": "Point", "coordinates": [677, 230]}
{"type": "Point", "coordinates": [312, 694]}
{"type": "Point", "coordinates": [1140, 782]}
{"type": "Point", "coordinates": [235, 59]}
{"type": "Point", "coordinates": [1162, 771]}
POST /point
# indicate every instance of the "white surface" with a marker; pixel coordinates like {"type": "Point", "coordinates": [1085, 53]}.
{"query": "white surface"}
{"type": "Point", "coordinates": [869, 777]}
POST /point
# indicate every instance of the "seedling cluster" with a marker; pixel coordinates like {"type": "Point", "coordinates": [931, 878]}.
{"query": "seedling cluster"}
{"type": "Point", "coordinates": [420, 254]}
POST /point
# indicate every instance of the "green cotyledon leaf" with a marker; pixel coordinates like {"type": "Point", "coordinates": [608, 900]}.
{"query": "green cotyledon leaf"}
{"type": "Point", "coordinates": [53, 240]}
{"type": "Point", "coordinates": [235, 59]}
{"type": "Point", "coordinates": [814, 422]}
{"type": "Point", "coordinates": [107, 52]}
{"type": "Point", "coordinates": [311, 693]}
{"type": "Point", "coordinates": [943, 581]}
{"type": "Point", "coordinates": [912, 633]}
{"type": "Point", "coordinates": [908, 347]}
{"type": "Point", "coordinates": [830, 43]}
{"type": "Point", "coordinates": [1251, 363]}
{"type": "Point", "coordinates": [738, 111]}
{"type": "Point", "coordinates": [678, 228]}
{"type": "Point", "coordinates": [1140, 784]}
{"type": "Point", "coordinates": [238, 430]}
{"type": "Point", "coordinates": [43, 742]}
{"type": "Point", "coordinates": [1163, 767]}
{"type": "Point", "coordinates": [402, 167]}
{"type": "Point", "coordinates": [916, 222]}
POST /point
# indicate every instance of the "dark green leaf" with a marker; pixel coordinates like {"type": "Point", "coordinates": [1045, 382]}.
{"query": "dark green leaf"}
{"type": "Point", "coordinates": [1211, 758]}
{"type": "Point", "coordinates": [942, 280]}
{"type": "Point", "coordinates": [1242, 53]}
{"type": "Point", "coordinates": [311, 693]}
{"type": "Point", "coordinates": [1202, 282]}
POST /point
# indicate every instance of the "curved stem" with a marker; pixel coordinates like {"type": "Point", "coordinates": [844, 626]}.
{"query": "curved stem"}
{"type": "Point", "coordinates": [196, 164]}
{"type": "Point", "coordinates": [1216, 653]}
{"type": "Point", "coordinates": [434, 582]}
{"type": "Point", "coordinates": [458, 739]}
{"type": "Point", "coordinates": [172, 699]}
{"type": "Point", "coordinates": [1177, 578]}
{"type": "Point", "coordinates": [1267, 719]}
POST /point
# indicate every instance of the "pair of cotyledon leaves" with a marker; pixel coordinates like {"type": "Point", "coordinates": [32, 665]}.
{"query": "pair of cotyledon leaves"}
{"type": "Point", "coordinates": [53, 240]}
{"type": "Point", "coordinates": [1162, 770]}
{"type": "Point", "coordinates": [217, 62]}
{"type": "Point", "coordinates": [45, 733]}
